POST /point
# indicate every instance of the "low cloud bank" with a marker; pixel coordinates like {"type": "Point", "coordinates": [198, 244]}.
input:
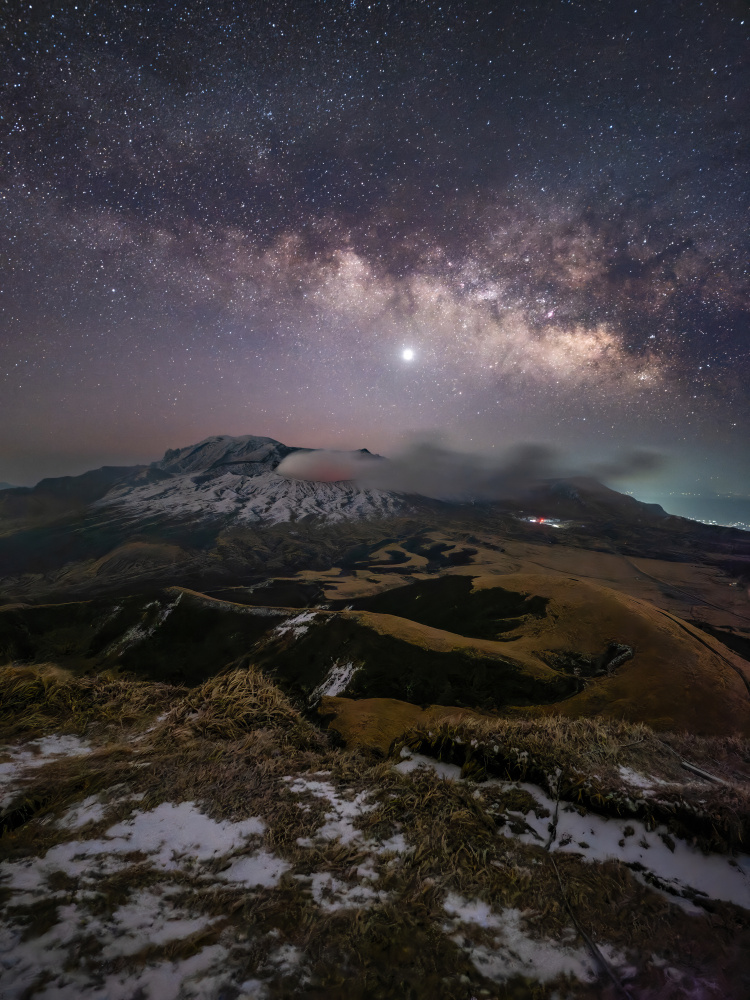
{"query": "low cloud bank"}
{"type": "Point", "coordinates": [428, 467]}
{"type": "Point", "coordinates": [322, 466]}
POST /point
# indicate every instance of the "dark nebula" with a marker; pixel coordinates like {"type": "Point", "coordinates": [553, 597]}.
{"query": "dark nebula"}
{"type": "Point", "coordinates": [238, 217]}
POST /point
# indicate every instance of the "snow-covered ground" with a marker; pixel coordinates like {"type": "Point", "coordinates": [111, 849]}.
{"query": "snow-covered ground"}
{"type": "Point", "coordinates": [508, 950]}
{"type": "Point", "coordinates": [158, 940]}
{"type": "Point", "coordinates": [139, 632]}
{"type": "Point", "coordinates": [335, 681]}
{"type": "Point", "coordinates": [296, 624]}
{"type": "Point", "coordinates": [15, 762]}
{"type": "Point", "coordinates": [671, 865]}
{"type": "Point", "coordinates": [184, 852]}
{"type": "Point", "coordinates": [179, 841]}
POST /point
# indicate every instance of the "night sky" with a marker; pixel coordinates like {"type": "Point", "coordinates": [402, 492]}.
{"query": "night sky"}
{"type": "Point", "coordinates": [233, 218]}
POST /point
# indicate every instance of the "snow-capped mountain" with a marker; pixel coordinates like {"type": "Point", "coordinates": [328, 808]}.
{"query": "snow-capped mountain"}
{"type": "Point", "coordinates": [246, 497]}
{"type": "Point", "coordinates": [260, 453]}
{"type": "Point", "coordinates": [234, 479]}
{"type": "Point", "coordinates": [227, 509]}
{"type": "Point", "coordinates": [176, 518]}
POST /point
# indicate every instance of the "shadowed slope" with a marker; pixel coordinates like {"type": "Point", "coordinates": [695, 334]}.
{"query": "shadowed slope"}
{"type": "Point", "coordinates": [677, 677]}
{"type": "Point", "coordinates": [580, 649]}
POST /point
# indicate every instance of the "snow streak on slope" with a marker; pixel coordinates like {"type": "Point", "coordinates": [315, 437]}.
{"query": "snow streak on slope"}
{"type": "Point", "coordinates": [676, 868]}
{"type": "Point", "coordinates": [250, 499]}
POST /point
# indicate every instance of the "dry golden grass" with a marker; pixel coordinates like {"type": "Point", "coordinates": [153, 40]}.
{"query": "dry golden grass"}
{"type": "Point", "coordinates": [580, 760]}
{"type": "Point", "coordinates": [229, 705]}
{"type": "Point", "coordinates": [35, 699]}
{"type": "Point", "coordinates": [229, 744]}
{"type": "Point", "coordinates": [376, 722]}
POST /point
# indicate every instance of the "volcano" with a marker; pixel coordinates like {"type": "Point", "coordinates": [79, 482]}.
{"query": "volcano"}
{"type": "Point", "coordinates": [232, 699]}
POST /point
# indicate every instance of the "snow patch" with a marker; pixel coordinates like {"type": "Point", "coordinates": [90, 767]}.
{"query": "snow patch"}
{"type": "Point", "coordinates": [511, 951]}
{"type": "Point", "coordinates": [335, 681]}
{"type": "Point", "coordinates": [255, 870]}
{"type": "Point", "coordinates": [297, 625]}
{"type": "Point", "coordinates": [332, 894]}
{"type": "Point", "coordinates": [339, 820]}
{"type": "Point", "coordinates": [174, 839]}
{"type": "Point", "coordinates": [683, 872]}
{"type": "Point", "coordinates": [646, 782]}
{"type": "Point", "coordinates": [149, 918]}
{"type": "Point", "coordinates": [41, 960]}
{"type": "Point", "coordinates": [137, 633]}
{"type": "Point", "coordinates": [285, 959]}
{"type": "Point", "coordinates": [338, 823]}
{"type": "Point", "coordinates": [394, 845]}
{"type": "Point", "coordinates": [413, 761]}
{"type": "Point", "coordinates": [246, 499]}
{"type": "Point", "coordinates": [33, 754]}
{"type": "Point", "coordinates": [91, 810]}
{"type": "Point", "coordinates": [170, 832]}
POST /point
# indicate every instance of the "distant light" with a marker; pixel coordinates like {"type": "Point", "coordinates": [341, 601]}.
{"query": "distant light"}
{"type": "Point", "coordinates": [408, 354]}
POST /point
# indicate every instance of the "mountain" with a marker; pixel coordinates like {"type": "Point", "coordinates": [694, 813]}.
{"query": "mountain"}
{"type": "Point", "coordinates": [225, 478]}
{"type": "Point", "coordinates": [218, 512]}
{"type": "Point", "coordinates": [54, 498]}
{"type": "Point", "coordinates": [269, 737]}
{"type": "Point", "coordinates": [218, 521]}
{"type": "Point", "coordinates": [234, 480]}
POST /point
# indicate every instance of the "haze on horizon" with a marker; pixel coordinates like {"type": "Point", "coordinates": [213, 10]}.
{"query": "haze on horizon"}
{"type": "Point", "coordinates": [337, 225]}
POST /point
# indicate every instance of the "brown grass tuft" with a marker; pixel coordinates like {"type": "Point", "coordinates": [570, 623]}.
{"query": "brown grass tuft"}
{"type": "Point", "coordinates": [38, 698]}
{"type": "Point", "coordinates": [229, 706]}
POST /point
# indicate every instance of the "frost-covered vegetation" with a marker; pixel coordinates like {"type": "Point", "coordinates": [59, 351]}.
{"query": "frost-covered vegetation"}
{"type": "Point", "coordinates": [165, 842]}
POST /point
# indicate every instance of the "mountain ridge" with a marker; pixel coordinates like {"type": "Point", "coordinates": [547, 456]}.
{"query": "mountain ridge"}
{"type": "Point", "coordinates": [218, 512]}
{"type": "Point", "coordinates": [225, 635]}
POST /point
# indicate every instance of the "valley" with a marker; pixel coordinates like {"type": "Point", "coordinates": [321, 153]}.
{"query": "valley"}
{"type": "Point", "coordinates": [268, 737]}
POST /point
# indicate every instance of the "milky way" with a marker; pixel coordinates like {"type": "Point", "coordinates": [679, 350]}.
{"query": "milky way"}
{"type": "Point", "coordinates": [237, 218]}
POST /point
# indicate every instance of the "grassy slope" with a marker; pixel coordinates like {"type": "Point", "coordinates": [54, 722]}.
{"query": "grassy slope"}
{"type": "Point", "coordinates": [183, 637]}
{"type": "Point", "coordinates": [677, 679]}
{"type": "Point", "coordinates": [234, 745]}
{"type": "Point", "coordinates": [173, 635]}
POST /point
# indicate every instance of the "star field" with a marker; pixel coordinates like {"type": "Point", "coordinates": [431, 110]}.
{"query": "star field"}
{"type": "Point", "coordinates": [241, 218]}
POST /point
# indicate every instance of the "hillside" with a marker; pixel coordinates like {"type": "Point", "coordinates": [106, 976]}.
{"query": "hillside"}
{"type": "Point", "coordinates": [210, 841]}
{"type": "Point", "coordinates": [218, 512]}
{"type": "Point", "coordinates": [268, 737]}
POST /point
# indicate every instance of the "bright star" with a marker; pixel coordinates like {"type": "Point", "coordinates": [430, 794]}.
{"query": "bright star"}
{"type": "Point", "coordinates": [408, 354]}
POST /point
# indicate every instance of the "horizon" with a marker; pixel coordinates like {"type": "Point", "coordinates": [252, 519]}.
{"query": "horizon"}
{"type": "Point", "coordinates": [372, 618]}
{"type": "Point", "coordinates": [337, 224]}
{"type": "Point", "coordinates": [710, 506]}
